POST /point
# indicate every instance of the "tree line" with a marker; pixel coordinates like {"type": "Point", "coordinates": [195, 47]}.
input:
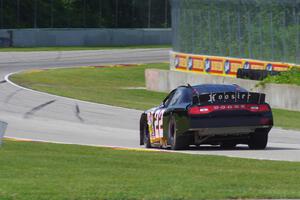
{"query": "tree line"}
{"type": "Point", "coordinates": [84, 14]}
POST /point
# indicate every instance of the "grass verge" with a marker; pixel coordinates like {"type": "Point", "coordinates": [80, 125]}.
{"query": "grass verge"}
{"type": "Point", "coordinates": [38, 171]}
{"type": "Point", "coordinates": [77, 48]}
{"type": "Point", "coordinates": [117, 86]}
{"type": "Point", "coordinates": [286, 119]}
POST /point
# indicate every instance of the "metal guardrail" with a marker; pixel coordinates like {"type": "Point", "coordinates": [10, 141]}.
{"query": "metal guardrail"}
{"type": "Point", "coordinates": [3, 126]}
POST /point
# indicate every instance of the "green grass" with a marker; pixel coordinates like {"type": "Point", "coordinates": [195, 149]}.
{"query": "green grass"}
{"type": "Point", "coordinates": [38, 171]}
{"type": "Point", "coordinates": [289, 77]}
{"type": "Point", "coordinates": [286, 119]}
{"type": "Point", "coordinates": [28, 49]}
{"type": "Point", "coordinates": [110, 86]}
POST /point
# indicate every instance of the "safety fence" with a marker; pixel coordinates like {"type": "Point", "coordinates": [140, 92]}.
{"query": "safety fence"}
{"type": "Point", "coordinates": [253, 29]}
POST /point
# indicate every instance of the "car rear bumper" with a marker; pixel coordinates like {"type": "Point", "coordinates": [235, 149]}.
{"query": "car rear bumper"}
{"type": "Point", "coordinates": [231, 122]}
{"type": "Point", "coordinates": [224, 131]}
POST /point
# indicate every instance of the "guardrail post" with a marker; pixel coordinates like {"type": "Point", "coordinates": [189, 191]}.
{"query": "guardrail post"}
{"type": "Point", "coordinates": [3, 126]}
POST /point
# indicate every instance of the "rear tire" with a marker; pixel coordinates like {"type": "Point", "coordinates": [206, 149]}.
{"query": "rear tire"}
{"type": "Point", "coordinates": [258, 139]}
{"type": "Point", "coordinates": [176, 142]}
{"type": "Point", "coordinates": [147, 142]}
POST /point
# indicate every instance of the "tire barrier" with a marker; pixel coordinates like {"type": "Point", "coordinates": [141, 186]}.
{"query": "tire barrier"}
{"type": "Point", "coordinates": [253, 74]}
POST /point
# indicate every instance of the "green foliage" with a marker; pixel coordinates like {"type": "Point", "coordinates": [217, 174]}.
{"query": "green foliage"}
{"type": "Point", "coordinates": [289, 77]}
{"type": "Point", "coordinates": [83, 13]}
{"type": "Point", "coordinates": [41, 171]}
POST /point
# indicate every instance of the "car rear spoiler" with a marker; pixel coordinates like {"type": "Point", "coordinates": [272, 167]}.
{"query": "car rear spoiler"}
{"type": "Point", "coordinates": [229, 98]}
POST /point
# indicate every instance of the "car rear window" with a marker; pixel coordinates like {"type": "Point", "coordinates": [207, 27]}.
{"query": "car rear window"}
{"type": "Point", "coordinates": [202, 89]}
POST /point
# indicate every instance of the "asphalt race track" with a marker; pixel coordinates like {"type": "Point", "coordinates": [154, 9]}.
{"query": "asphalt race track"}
{"type": "Point", "coordinates": [38, 116]}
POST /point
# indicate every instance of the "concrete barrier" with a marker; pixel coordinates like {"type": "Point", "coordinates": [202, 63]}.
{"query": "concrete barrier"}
{"type": "Point", "coordinates": [3, 126]}
{"type": "Point", "coordinates": [5, 38]}
{"type": "Point", "coordinates": [278, 96]}
{"type": "Point", "coordinates": [84, 37]}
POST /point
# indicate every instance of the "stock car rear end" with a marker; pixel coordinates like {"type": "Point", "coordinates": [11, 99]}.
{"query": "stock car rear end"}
{"type": "Point", "coordinates": [224, 115]}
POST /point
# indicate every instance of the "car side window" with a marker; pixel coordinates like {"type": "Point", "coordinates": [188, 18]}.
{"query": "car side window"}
{"type": "Point", "coordinates": [176, 97]}
{"type": "Point", "coordinates": [167, 100]}
{"type": "Point", "coordinates": [186, 96]}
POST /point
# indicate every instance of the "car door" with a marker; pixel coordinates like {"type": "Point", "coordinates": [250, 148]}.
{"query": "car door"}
{"type": "Point", "coordinates": [155, 120]}
{"type": "Point", "coordinates": [177, 108]}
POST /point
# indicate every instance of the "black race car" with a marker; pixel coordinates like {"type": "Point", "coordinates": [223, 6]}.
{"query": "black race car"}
{"type": "Point", "coordinates": [224, 115]}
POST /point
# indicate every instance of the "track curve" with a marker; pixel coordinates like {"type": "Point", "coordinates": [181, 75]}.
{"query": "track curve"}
{"type": "Point", "coordinates": [39, 116]}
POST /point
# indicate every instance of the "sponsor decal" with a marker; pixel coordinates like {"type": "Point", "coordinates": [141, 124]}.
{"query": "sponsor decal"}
{"type": "Point", "coordinates": [198, 64]}
{"type": "Point", "coordinates": [247, 65]}
{"type": "Point", "coordinates": [176, 61]}
{"type": "Point", "coordinates": [232, 97]}
{"type": "Point", "coordinates": [207, 65]}
{"type": "Point", "coordinates": [155, 123]}
{"type": "Point", "coordinates": [216, 65]}
{"type": "Point", "coordinates": [269, 67]}
{"type": "Point", "coordinates": [223, 66]}
{"type": "Point", "coordinates": [150, 124]}
{"type": "Point", "coordinates": [234, 66]}
{"type": "Point", "coordinates": [160, 120]}
{"type": "Point", "coordinates": [227, 67]}
{"type": "Point", "coordinates": [182, 63]}
{"type": "Point", "coordinates": [280, 67]}
{"type": "Point", "coordinates": [214, 97]}
{"type": "Point", "coordinates": [257, 65]}
{"type": "Point", "coordinates": [190, 63]}
{"type": "Point", "coordinates": [229, 107]}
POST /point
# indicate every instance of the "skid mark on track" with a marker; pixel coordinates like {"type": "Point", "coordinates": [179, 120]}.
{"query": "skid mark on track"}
{"type": "Point", "coordinates": [77, 113]}
{"type": "Point", "coordinates": [11, 95]}
{"type": "Point", "coordinates": [37, 108]}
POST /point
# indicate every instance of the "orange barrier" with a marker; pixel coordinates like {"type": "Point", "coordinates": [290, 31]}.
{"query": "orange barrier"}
{"type": "Point", "coordinates": [223, 66]}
